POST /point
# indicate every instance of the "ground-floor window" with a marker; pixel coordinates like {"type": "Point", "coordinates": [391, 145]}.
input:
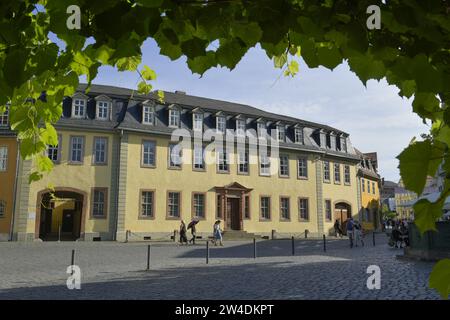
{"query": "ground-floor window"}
{"type": "Point", "coordinates": [247, 207]}
{"type": "Point", "coordinates": [173, 204]}
{"type": "Point", "coordinates": [328, 210]}
{"type": "Point", "coordinates": [147, 204]}
{"type": "Point", "coordinates": [265, 207]}
{"type": "Point", "coordinates": [285, 208]}
{"type": "Point", "coordinates": [218, 206]}
{"type": "Point", "coordinates": [303, 209]}
{"type": "Point", "coordinates": [198, 204]}
{"type": "Point", "coordinates": [2, 208]}
{"type": "Point", "coordinates": [99, 203]}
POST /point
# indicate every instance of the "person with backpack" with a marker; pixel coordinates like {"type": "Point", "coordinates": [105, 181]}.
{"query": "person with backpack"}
{"type": "Point", "coordinates": [350, 228]}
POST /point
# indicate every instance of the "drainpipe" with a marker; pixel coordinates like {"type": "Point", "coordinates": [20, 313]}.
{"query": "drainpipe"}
{"type": "Point", "coordinates": [11, 228]}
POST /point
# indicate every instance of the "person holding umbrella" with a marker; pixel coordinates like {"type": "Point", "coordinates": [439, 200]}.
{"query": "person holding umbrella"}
{"type": "Point", "coordinates": [191, 226]}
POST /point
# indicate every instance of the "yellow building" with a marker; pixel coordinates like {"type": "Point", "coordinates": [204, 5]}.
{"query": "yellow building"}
{"type": "Point", "coordinates": [131, 167]}
{"type": "Point", "coordinates": [369, 189]}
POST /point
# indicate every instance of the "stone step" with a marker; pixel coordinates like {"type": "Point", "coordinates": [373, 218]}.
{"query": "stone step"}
{"type": "Point", "coordinates": [237, 235]}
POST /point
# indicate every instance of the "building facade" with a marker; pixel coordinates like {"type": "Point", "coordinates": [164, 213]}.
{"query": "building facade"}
{"type": "Point", "coordinates": [369, 186]}
{"type": "Point", "coordinates": [131, 167]}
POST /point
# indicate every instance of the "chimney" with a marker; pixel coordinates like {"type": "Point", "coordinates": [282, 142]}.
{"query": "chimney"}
{"type": "Point", "coordinates": [180, 92]}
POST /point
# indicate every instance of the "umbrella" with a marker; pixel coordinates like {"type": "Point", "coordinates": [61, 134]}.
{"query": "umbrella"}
{"type": "Point", "coordinates": [192, 223]}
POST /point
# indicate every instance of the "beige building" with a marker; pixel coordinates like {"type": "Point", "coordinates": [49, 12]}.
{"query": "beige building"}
{"type": "Point", "coordinates": [128, 167]}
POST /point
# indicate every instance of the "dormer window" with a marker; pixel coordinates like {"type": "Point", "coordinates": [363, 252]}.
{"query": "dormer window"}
{"type": "Point", "coordinates": [240, 127]}
{"type": "Point", "coordinates": [4, 117]}
{"type": "Point", "coordinates": [79, 108]}
{"type": "Point", "coordinates": [148, 115]}
{"type": "Point", "coordinates": [261, 128]}
{"type": "Point", "coordinates": [174, 118]}
{"type": "Point", "coordinates": [197, 122]}
{"type": "Point", "coordinates": [298, 132]}
{"type": "Point", "coordinates": [281, 133]}
{"type": "Point", "coordinates": [102, 110]}
{"type": "Point", "coordinates": [221, 124]}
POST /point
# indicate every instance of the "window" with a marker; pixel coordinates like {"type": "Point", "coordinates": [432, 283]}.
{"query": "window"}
{"type": "Point", "coordinates": [102, 110]}
{"type": "Point", "coordinates": [100, 150]}
{"type": "Point", "coordinates": [284, 209]}
{"type": "Point", "coordinates": [240, 127]}
{"type": "Point", "coordinates": [247, 207]}
{"type": "Point", "coordinates": [175, 156]}
{"type": "Point", "coordinates": [2, 208]}
{"type": "Point", "coordinates": [148, 115]}
{"type": "Point", "coordinates": [281, 133]}
{"type": "Point", "coordinates": [243, 162]}
{"type": "Point", "coordinates": [147, 204]}
{"type": "Point", "coordinates": [222, 160]}
{"type": "Point", "coordinates": [148, 153]}
{"type": "Point", "coordinates": [79, 108]}
{"type": "Point", "coordinates": [373, 187]}
{"type": "Point", "coordinates": [99, 202]}
{"type": "Point", "coordinates": [368, 186]}
{"type": "Point", "coordinates": [326, 171]}
{"type": "Point", "coordinates": [265, 208]}
{"type": "Point", "coordinates": [76, 149]}
{"type": "Point", "coordinates": [4, 118]}
{"type": "Point", "coordinates": [173, 204]}
{"type": "Point", "coordinates": [198, 204]}
{"type": "Point", "coordinates": [219, 206]}
{"type": "Point", "coordinates": [261, 128]}
{"type": "Point", "coordinates": [347, 174]}
{"type": "Point", "coordinates": [221, 124]}
{"type": "Point", "coordinates": [303, 209]}
{"type": "Point", "coordinates": [284, 166]}
{"type": "Point", "coordinates": [3, 158]}
{"type": "Point", "coordinates": [328, 210]}
{"type": "Point", "coordinates": [197, 124]}
{"type": "Point", "coordinates": [367, 215]}
{"type": "Point", "coordinates": [174, 118]}
{"type": "Point", "coordinates": [337, 173]}
{"type": "Point", "coordinates": [363, 185]}
{"type": "Point", "coordinates": [199, 162]}
{"type": "Point", "coordinates": [264, 163]}
{"type": "Point", "coordinates": [302, 168]}
{"type": "Point", "coordinates": [53, 152]}
{"type": "Point", "coordinates": [299, 135]}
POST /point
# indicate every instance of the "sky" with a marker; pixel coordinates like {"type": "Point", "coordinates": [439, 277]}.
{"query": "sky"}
{"type": "Point", "coordinates": [377, 119]}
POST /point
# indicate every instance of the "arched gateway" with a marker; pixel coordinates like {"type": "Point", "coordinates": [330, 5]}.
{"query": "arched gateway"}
{"type": "Point", "coordinates": [60, 214]}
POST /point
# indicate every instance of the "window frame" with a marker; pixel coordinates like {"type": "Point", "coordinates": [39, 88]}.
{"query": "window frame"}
{"type": "Point", "coordinates": [168, 216]}
{"type": "Point", "coordinates": [226, 159]}
{"type": "Point", "coordinates": [299, 132]}
{"type": "Point", "coordinates": [94, 151]}
{"type": "Point", "coordinates": [261, 132]}
{"type": "Point", "coordinates": [266, 166]}
{"type": "Point", "coordinates": [83, 146]}
{"type": "Point", "coordinates": [246, 162]}
{"type": "Point", "coordinates": [202, 148]}
{"type": "Point", "coordinates": [241, 131]}
{"type": "Point", "coordinates": [247, 207]}
{"type": "Point", "coordinates": [330, 218]}
{"type": "Point", "coordinates": [141, 216]}
{"type": "Point", "coordinates": [105, 203]}
{"type": "Point", "coordinates": [58, 150]}
{"type": "Point", "coordinates": [74, 105]}
{"type": "Point", "coordinates": [288, 208]}
{"type": "Point", "coordinates": [3, 208]}
{"type": "Point", "coordinates": [269, 207]}
{"type": "Point", "coordinates": [3, 116]}
{"type": "Point", "coordinates": [193, 207]}
{"type": "Point", "coordinates": [347, 183]}
{"type": "Point", "coordinates": [337, 181]}
{"type": "Point", "coordinates": [218, 121]}
{"type": "Point", "coordinates": [326, 169]}
{"type": "Point", "coordinates": [284, 176]}
{"type": "Point", "coordinates": [194, 121]}
{"type": "Point", "coordinates": [148, 110]}
{"type": "Point", "coordinates": [305, 159]}
{"type": "Point", "coordinates": [144, 165]}
{"type": "Point", "coordinates": [172, 113]}
{"type": "Point", "coordinates": [97, 110]}
{"type": "Point", "coordinates": [4, 159]}
{"type": "Point", "coordinates": [281, 133]}
{"type": "Point", "coordinates": [169, 157]}
{"type": "Point", "coordinates": [300, 219]}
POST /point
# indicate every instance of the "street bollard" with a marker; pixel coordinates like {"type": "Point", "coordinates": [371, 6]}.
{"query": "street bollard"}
{"type": "Point", "coordinates": [293, 246]}
{"type": "Point", "coordinates": [254, 248]}
{"type": "Point", "coordinates": [72, 260]}
{"type": "Point", "coordinates": [174, 235]}
{"type": "Point", "coordinates": [373, 238]}
{"type": "Point", "coordinates": [148, 257]}
{"type": "Point", "coordinates": [126, 236]}
{"type": "Point", "coordinates": [306, 234]}
{"type": "Point", "coordinates": [207, 252]}
{"type": "Point", "coordinates": [59, 233]}
{"type": "Point", "coordinates": [324, 244]}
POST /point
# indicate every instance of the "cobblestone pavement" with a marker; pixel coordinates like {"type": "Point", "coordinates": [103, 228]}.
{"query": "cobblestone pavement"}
{"type": "Point", "coordinates": [113, 270]}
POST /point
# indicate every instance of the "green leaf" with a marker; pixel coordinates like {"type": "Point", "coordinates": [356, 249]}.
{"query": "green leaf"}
{"type": "Point", "coordinates": [249, 32]}
{"type": "Point", "coordinates": [229, 53]}
{"type": "Point", "coordinates": [417, 161]}
{"type": "Point", "coordinates": [426, 104]}
{"type": "Point", "coordinates": [128, 64]}
{"type": "Point", "coordinates": [35, 176]}
{"type": "Point", "coordinates": [144, 88]}
{"type": "Point", "coordinates": [280, 61]}
{"type": "Point", "coordinates": [367, 68]}
{"type": "Point", "coordinates": [426, 213]}
{"type": "Point", "coordinates": [148, 74]}
{"type": "Point", "coordinates": [440, 278]}
{"type": "Point", "coordinates": [329, 57]}
{"type": "Point", "coordinates": [202, 63]}
{"type": "Point", "coordinates": [194, 47]}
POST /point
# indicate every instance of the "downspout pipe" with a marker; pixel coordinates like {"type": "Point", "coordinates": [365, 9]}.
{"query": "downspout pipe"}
{"type": "Point", "coordinates": [11, 228]}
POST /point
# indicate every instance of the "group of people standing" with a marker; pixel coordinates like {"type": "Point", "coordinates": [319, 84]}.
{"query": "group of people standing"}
{"type": "Point", "coordinates": [353, 229]}
{"type": "Point", "coordinates": [217, 232]}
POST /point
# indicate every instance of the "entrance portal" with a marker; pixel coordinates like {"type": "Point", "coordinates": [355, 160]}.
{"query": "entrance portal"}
{"type": "Point", "coordinates": [233, 217]}
{"type": "Point", "coordinates": [231, 203]}
{"type": "Point", "coordinates": [342, 211]}
{"type": "Point", "coordinates": [60, 215]}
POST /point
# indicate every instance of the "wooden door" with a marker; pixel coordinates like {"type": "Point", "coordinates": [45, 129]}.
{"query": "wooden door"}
{"type": "Point", "coordinates": [233, 214]}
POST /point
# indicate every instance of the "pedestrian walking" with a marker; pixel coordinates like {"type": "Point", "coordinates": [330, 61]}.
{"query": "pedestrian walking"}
{"type": "Point", "coordinates": [217, 233]}
{"type": "Point", "coordinates": [183, 237]}
{"type": "Point", "coordinates": [350, 228]}
{"type": "Point", "coordinates": [358, 232]}
{"type": "Point", "coordinates": [192, 226]}
{"type": "Point", "coordinates": [337, 228]}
